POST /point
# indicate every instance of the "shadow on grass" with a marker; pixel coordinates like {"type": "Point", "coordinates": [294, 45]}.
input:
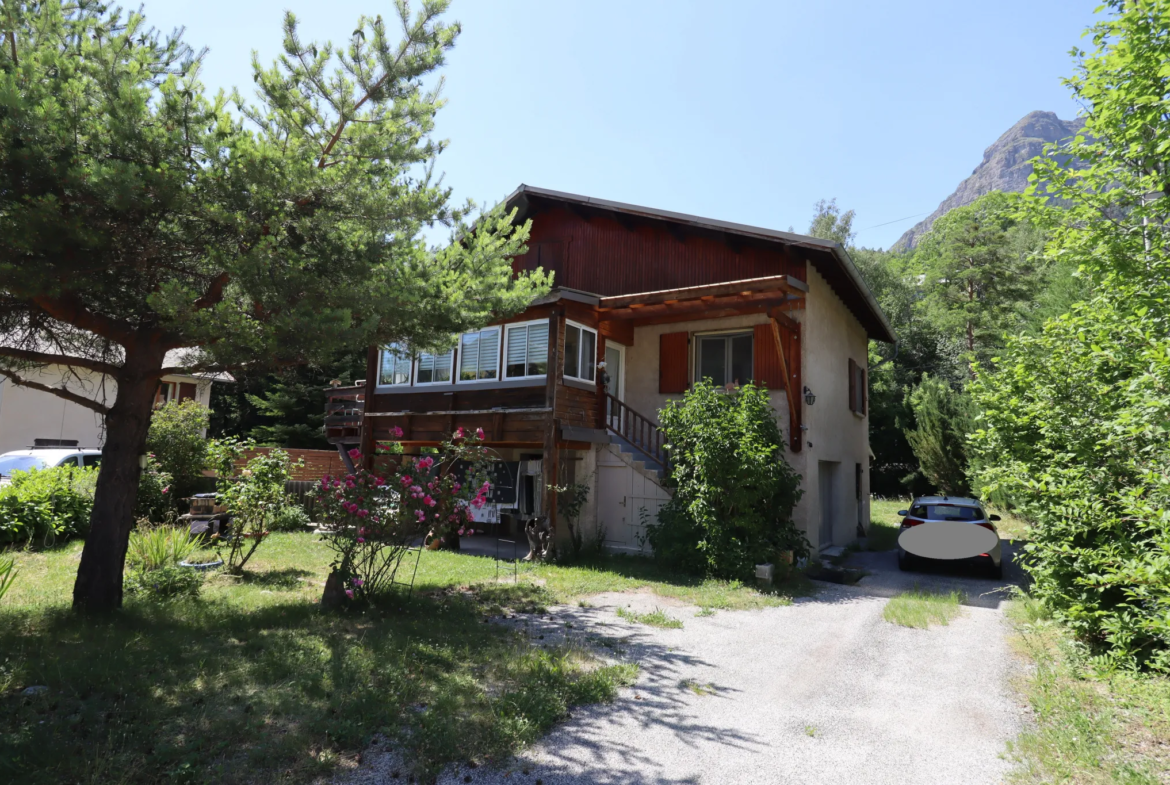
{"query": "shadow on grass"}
{"type": "Point", "coordinates": [212, 691]}
{"type": "Point", "coordinates": [285, 579]}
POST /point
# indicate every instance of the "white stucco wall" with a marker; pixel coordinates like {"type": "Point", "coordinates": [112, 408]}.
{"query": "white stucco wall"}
{"type": "Point", "coordinates": [27, 414]}
{"type": "Point", "coordinates": [831, 335]}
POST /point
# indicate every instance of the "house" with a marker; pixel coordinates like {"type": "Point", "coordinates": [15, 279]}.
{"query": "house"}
{"type": "Point", "coordinates": [28, 414]}
{"type": "Point", "coordinates": [662, 299]}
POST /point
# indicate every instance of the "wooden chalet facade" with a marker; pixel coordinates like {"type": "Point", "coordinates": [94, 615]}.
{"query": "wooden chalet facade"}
{"type": "Point", "coordinates": [661, 299]}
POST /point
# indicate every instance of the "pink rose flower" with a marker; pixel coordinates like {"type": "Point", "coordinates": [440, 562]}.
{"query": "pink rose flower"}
{"type": "Point", "coordinates": [396, 432]}
{"type": "Point", "coordinates": [349, 593]}
{"type": "Point", "coordinates": [362, 513]}
{"type": "Point", "coordinates": [459, 432]}
{"type": "Point", "coordinates": [358, 581]}
{"type": "Point", "coordinates": [361, 540]}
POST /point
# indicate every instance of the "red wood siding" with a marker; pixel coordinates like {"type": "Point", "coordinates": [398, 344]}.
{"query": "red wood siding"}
{"type": "Point", "coordinates": [186, 391]}
{"type": "Point", "coordinates": [672, 362]}
{"type": "Point", "coordinates": [602, 256]}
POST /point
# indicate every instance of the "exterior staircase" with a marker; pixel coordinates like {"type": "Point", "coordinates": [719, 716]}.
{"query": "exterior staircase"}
{"type": "Point", "coordinates": [639, 458]}
{"type": "Point", "coordinates": [637, 435]}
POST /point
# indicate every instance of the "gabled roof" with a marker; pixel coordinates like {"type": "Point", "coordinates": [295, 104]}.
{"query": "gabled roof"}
{"type": "Point", "coordinates": [830, 258]}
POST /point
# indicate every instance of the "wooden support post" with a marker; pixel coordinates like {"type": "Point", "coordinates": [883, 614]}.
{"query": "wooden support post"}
{"type": "Point", "coordinates": [601, 391]}
{"type": "Point", "coordinates": [498, 426]}
{"type": "Point", "coordinates": [367, 442]}
{"type": "Point", "coordinates": [795, 435]}
{"type": "Point", "coordinates": [551, 437]}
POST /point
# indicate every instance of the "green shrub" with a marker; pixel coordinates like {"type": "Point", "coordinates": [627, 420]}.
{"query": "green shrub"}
{"type": "Point", "coordinates": [165, 582]}
{"type": "Point", "coordinates": [290, 518]}
{"type": "Point", "coordinates": [154, 493]}
{"type": "Point", "coordinates": [254, 497]}
{"type": "Point", "coordinates": [162, 546]}
{"type": "Point", "coordinates": [44, 506]}
{"type": "Point", "coordinates": [7, 574]}
{"type": "Point", "coordinates": [177, 441]}
{"type": "Point", "coordinates": [733, 490]}
{"type": "Point", "coordinates": [1074, 430]}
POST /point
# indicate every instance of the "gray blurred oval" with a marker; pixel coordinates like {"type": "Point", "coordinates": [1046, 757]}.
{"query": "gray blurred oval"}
{"type": "Point", "coordinates": [947, 540]}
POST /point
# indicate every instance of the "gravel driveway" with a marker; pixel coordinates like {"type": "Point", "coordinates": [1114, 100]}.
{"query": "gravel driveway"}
{"type": "Point", "coordinates": [823, 691]}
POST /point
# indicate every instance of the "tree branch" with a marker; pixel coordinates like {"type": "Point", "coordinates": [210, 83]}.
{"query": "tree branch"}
{"type": "Point", "coordinates": [68, 308]}
{"type": "Point", "coordinates": [59, 359]}
{"type": "Point", "coordinates": [214, 293]}
{"type": "Point", "coordinates": [73, 397]}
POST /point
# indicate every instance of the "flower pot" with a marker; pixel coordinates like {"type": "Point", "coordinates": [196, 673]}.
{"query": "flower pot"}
{"type": "Point", "coordinates": [203, 566]}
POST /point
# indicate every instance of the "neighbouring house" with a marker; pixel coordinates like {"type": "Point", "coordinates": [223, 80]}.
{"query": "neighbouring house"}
{"type": "Point", "coordinates": [662, 299]}
{"type": "Point", "coordinates": [28, 414]}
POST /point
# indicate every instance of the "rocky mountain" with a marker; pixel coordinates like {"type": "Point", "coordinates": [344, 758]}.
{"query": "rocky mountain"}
{"type": "Point", "coordinates": [1005, 166]}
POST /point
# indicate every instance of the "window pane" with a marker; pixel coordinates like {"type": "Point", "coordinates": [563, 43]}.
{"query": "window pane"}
{"type": "Point", "coordinates": [588, 355]}
{"type": "Point", "coordinates": [741, 359]}
{"type": "Point", "coordinates": [426, 368]}
{"type": "Point", "coordinates": [517, 351]}
{"type": "Point", "coordinates": [489, 354]}
{"type": "Point", "coordinates": [395, 368]}
{"type": "Point", "coordinates": [443, 366]}
{"type": "Point", "coordinates": [713, 360]}
{"type": "Point", "coordinates": [469, 357]}
{"type": "Point", "coordinates": [537, 349]}
{"type": "Point", "coordinates": [572, 350]}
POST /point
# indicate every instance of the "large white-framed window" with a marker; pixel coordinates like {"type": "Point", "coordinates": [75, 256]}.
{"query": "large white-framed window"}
{"type": "Point", "coordinates": [479, 355]}
{"type": "Point", "coordinates": [725, 359]}
{"type": "Point", "coordinates": [394, 366]}
{"type": "Point", "coordinates": [526, 350]}
{"type": "Point", "coordinates": [580, 352]}
{"type": "Point", "coordinates": [434, 368]}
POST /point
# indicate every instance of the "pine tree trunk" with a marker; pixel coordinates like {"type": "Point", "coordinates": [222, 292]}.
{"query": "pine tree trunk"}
{"type": "Point", "coordinates": [98, 587]}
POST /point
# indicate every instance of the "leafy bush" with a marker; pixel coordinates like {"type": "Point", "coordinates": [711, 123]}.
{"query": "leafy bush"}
{"type": "Point", "coordinates": [161, 546]}
{"type": "Point", "coordinates": [1080, 444]}
{"type": "Point", "coordinates": [373, 519]}
{"type": "Point", "coordinates": [290, 518]}
{"type": "Point", "coordinates": [44, 506]}
{"type": "Point", "coordinates": [733, 490]}
{"type": "Point", "coordinates": [154, 493]}
{"type": "Point", "coordinates": [176, 439]}
{"type": "Point", "coordinates": [7, 574]}
{"type": "Point", "coordinates": [254, 498]}
{"type": "Point", "coordinates": [165, 582]}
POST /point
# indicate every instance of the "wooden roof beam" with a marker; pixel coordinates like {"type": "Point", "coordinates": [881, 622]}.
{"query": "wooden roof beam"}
{"type": "Point", "coordinates": [781, 283]}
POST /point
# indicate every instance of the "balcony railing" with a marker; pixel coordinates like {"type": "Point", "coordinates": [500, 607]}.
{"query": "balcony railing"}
{"type": "Point", "coordinates": [344, 407]}
{"type": "Point", "coordinates": [638, 430]}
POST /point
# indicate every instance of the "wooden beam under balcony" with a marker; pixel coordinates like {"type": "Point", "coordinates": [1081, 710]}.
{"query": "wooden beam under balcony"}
{"type": "Point", "coordinates": [781, 283]}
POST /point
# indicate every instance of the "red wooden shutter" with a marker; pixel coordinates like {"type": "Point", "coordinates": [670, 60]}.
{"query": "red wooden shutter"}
{"type": "Point", "coordinates": [672, 362]}
{"type": "Point", "coordinates": [766, 360]}
{"type": "Point", "coordinates": [863, 375]}
{"type": "Point", "coordinates": [186, 391]}
{"type": "Point", "coordinates": [852, 385]}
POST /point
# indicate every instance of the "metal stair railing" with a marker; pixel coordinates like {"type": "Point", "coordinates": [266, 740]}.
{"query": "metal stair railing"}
{"type": "Point", "coordinates": [636, 429]}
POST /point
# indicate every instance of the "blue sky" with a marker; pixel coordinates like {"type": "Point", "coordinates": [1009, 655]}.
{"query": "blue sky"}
{"type": "Point", "coordinates": [742, 111]}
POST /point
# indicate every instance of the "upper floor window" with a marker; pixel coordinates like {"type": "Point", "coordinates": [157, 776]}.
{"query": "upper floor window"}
{"type": "Point", "coordinates": [580, 352]}
{"type": "Point", "coordinates": [526, 350]}
{"type": "Point", "coordinates": [435, 368]}
{"type": "Point", "coordinates": [395, 366]}
{"type": "Point", "coordinates": [479, 355]}
{"type": "Point", "coordinates": [724, 359]}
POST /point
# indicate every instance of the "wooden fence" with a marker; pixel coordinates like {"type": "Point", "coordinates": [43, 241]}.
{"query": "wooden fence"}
{"type": "Point", "coordinates": [317, 463]}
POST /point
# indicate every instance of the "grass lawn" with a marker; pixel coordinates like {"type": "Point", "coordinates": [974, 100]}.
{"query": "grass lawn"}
{"type": "Point", "coordinates": [1088, 730]}
{"type": "Point", "coordinates": [921, 609]}
{"type": "Point", "coordinates": [253, 682]}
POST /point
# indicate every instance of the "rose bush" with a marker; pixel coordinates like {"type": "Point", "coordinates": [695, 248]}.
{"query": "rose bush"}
{"type": "Point", "coordinates": [372, 518]}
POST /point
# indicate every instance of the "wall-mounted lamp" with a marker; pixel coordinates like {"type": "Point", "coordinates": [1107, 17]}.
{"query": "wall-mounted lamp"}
{"type": "Point", "coordinates": [809, 398]}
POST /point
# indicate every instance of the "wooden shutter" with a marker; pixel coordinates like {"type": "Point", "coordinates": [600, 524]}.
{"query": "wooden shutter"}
{"type": "Point", "coordinates": [766, 359]}
{"type": "Point", "coordinates": [862, 375]}
{"type": "Point", "coordinates": [672, 362]}
{"type": "Point", "coordinates": [186, 391]}
{"type": "Point", "coordinates": [852, 385]}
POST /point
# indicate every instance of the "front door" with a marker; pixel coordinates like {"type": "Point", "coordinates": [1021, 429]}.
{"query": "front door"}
{"type": "Point", "coordinates": [615, 361]}
{"type": "Point", "coordinates": [827, 476]}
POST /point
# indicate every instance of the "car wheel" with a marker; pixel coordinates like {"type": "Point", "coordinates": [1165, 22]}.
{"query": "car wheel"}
{"type": "Point", "coordinates": [905, 561]}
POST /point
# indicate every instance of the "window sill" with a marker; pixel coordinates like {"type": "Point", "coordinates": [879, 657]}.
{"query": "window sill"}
{"type": "Point", "coordinates": [459, 387]}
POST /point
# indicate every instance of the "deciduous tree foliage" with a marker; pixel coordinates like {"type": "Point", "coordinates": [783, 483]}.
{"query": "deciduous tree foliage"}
{"type": "Point", "coordinates": [1075, 420]}
{"type": "Point", "coordinates": [144, 223]}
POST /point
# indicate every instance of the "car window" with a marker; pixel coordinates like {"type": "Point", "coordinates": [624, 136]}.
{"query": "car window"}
{"type": "Point", "coordinates": [72, 460]}
{"type": "Point", "coordinates": [19, 463]}
{"type": "Point", "coordinates": [93, 460]}
{"type": "Point", "coordinates": [918, 511]}
{"type": "Point", "coordinates": [953, 512]}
